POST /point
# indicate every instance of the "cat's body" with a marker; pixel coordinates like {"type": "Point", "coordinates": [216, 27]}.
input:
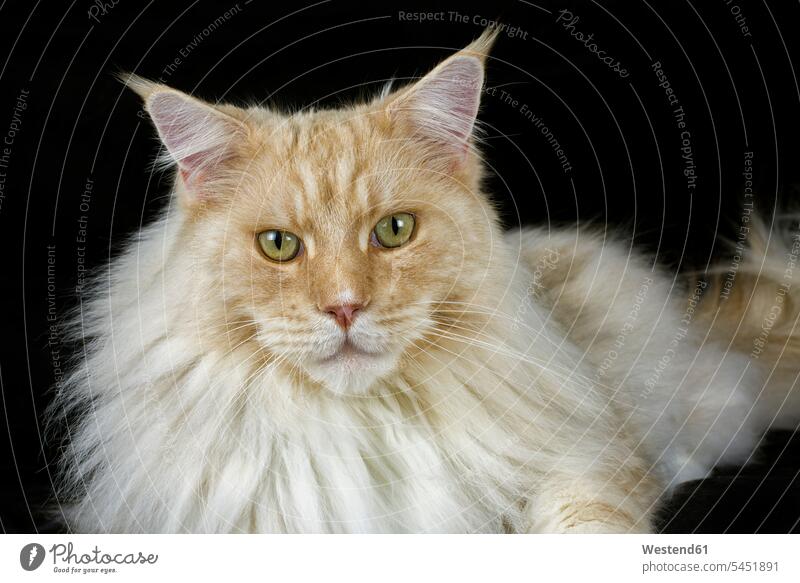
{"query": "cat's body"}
{"type": "Point", "coordinates": [551, 381]}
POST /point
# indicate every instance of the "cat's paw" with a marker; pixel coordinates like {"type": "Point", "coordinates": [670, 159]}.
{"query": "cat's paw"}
{"type": "Point", "coordinates": [590, 518]}
{"type": "Point", "coordinates": [604, 527]}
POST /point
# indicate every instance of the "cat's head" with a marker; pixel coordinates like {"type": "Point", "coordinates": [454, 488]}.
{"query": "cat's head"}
{"type": "Point", "coordinates": [341, 235]}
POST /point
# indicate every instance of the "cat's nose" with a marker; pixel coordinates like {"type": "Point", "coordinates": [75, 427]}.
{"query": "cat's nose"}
{"type": "Point", "coordinates": [344, 313]}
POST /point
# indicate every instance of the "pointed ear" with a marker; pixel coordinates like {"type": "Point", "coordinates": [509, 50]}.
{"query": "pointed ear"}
{"type": "Point", "coordinates": [441, 108]}
{"type": "Point", "coordinates": [198, 137]}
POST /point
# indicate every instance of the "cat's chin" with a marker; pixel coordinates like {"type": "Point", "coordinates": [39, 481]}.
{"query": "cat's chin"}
{"type": "Point", "coordinates": [351, 371]}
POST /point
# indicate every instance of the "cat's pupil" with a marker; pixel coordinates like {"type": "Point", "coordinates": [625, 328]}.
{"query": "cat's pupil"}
{"type": "Point", "coordinates": [395, 226]}
{"type": "Point", "coordinates": [278, 240]}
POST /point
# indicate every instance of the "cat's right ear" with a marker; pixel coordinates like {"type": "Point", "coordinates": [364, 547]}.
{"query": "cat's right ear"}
{"type": "Point", "coordinates": [441, 107]}
{"type": "Point", "coordinates": [198, 137]}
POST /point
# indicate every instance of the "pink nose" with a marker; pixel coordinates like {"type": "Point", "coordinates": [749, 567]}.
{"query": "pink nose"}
{"type": "Point", "coordinates": [344, 314]}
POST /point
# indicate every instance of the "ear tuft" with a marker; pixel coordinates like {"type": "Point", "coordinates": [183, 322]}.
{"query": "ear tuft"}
{"type": "Point", "coordinates": [482, 46]}
{"type": "Point", "coordinates": [139, 85]}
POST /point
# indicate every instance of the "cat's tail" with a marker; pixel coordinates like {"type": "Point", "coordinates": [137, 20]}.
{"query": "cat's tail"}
{"type": "Point", "coordinates": [753, 303]}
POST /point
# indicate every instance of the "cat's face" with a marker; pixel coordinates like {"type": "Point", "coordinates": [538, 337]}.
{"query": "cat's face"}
{"type": "Point", "coordinates": [338, 234]}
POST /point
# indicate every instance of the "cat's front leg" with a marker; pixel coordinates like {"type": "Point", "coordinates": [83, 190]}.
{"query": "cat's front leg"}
{"type": "Point", "coordinates": [594, 504]}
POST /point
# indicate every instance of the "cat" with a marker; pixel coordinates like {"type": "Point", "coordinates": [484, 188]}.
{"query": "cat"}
{"type": "Point", "coordinates": [327, 330]}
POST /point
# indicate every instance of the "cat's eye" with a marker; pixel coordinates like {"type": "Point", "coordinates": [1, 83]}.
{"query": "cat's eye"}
{"type": "Point", "coordinates": [394, 230]}
{"type": "Point", "coordinates": [279, 245]}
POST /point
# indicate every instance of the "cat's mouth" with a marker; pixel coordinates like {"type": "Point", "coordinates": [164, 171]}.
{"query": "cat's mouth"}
{"type": "Point", "coordinates": [350, 354]}
{"type": "Point", "coordinates": [354, 366]}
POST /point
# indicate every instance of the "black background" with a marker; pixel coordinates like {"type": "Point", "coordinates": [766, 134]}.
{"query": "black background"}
{"type": "Point", "coordinates": [739, 93]}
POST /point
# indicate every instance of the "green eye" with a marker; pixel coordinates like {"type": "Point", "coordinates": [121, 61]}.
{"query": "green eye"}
{"type": "Point", "coordinates": [279, 245]}
{"type": "Point", "coordinates": [394, 230]}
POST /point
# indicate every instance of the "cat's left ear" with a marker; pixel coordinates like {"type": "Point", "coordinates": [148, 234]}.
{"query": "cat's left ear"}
{"type": "Point", "coordinates": [442, 107]}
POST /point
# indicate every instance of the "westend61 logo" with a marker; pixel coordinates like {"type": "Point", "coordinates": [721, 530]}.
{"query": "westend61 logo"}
{"type": "Point", "coordinates": [31, 556]}
{"type": "Point", "coordinates": [66, 560]}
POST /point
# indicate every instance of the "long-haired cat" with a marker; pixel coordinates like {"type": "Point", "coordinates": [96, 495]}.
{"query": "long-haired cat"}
{"type": "Point", "coordinates": [327, 331]}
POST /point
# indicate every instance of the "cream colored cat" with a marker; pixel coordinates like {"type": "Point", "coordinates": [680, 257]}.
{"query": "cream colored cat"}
{"type": "Point", "coordinates": [327, 331]}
